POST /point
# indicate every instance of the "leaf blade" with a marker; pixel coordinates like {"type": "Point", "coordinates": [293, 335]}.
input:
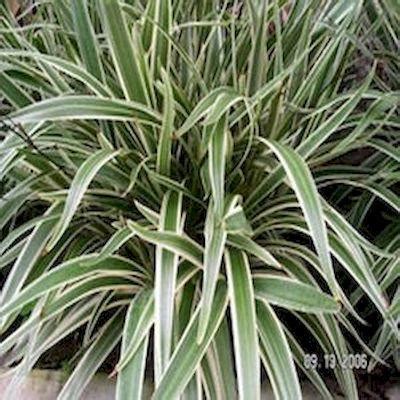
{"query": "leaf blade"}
{"type": "Point", "coordinates": [242, 306]}
{"type": "Point", "coordinates": [85, 174]}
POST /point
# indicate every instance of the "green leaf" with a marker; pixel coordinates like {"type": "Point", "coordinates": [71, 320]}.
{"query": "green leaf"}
{"type": "Point", "coordinates": [160, 16]}
{"type": "Point", "coordinates": [86, 287]}
{"type": "Point", "coordinates": [93, 358]}
{"type": "Point", "coordinates": [223, 360]}
{"type": "Point", "coordinates": [131, 378]}
{"type": "Point", "coordinates": [205, 105]}
{"type": "Point", "coordinates": [65, 273]}
{"type": "Point", "coordinates": [308, 146]}
{"type": "Point", "coordinates": [235, 220]}
{"type": "Point", "coordinates": [165, 284]}
{"type": "Point", "coordinates": [215, 235]}
{"type": "Point", "coordinates": [276, 355]}
{"type": "Point", "coordinates": [114, 243]}
{"type": "Point", "coordinates": [84, 107]}
{"type": "Point", "coordinates": [86, 172]}
{"type": "Point", "coordinates": [299, 356]}
{"type": "Point", "coordinates": [143, 313]}
{"type": "Point", "coordinates": [359, 270]}
{"type": "Point", "coordinates": [215, 238]}
{"type": "Point", "coordinates": [167, 130]}
{"type": "Point", "coordinates": [317, 137]}
{"type": "Point", "coordinates": [76, 72]}
{"type": "Point", "coordinates": [302, 182]}
{"type": "Point", "coordinates": [125, 56]}
{"type": "Point", "coordinates": [244, 324]}
{"type": "Point", "coordinates": [10, 205]}
{"type": "Point", "coordinates": [28, 256]}
{"type": "Point", "coordinates": [250, 246]}
{"type": "Point", "coordinates": [85, 34]}
{"type": "Point", "coordinates": [216, 165]}
{"type": "Point", "coordinates": [290, 294]}
{"type": "Point", "coordinates": [176, 243]}
{"type": "Point", "coordinates": [380, 191]}
{"type": "Point", "coordinates": [21, 230]}
{"type": "Point", "coordinates": [13, 92]}
{"type": "Point", "coordinates": [190, 351]}
{"type": "Point", "coordinates": [258, 56]}
{"type": "Point", "coordinates": [151, 216]}
{"type": "Point", "coordinates": [386, 148]}
{"type": "Point", "coordinates": [13, 253]}
{"type": "Point", "coordinates": [221, 105]}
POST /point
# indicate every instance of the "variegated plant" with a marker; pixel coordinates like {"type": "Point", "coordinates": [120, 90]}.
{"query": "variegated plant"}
{"type": "Point", "coordinates": [192, 182]}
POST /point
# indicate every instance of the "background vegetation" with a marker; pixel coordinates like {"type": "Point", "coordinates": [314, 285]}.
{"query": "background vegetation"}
{"type": "Point", "coordinates": [207, 186]}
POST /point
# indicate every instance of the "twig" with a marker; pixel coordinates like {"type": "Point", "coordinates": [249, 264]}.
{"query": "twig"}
{"type": "Point", "coordinates": [19, 130]}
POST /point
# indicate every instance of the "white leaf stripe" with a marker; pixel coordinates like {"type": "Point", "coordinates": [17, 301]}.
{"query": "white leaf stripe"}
{"type": "Point", "coordinates": [85, 107]}
{"type": "Point", "coordinates": [119, 238]}
{"type": "Point", "coordinates": [251, 247]}
{"type": "Point", "coordinates": [189, 351]}
{"type": "Point", "coordinates": [276, 355]}
{"type": "Point", "coordinates": [288, 293]}
{"type": "Point", "coordinates": [93, 358]}
{"type": "Point", "coordinates": [165, 284]}
{"type": "Point", "coordinates": [28, 256]}
{"type": "Point", "coordinates": [310, 144]}
{"type": "Point", "coordinates": [212, 262]}
{"type": "Point", "coordinates": [126, 58]}
{"type": "Point", "coordinates": [176, 243]}
{"type": "Point", "coordinates": [143, 322]}
{"type": "Point", "coordinates": [86, 38]}
{"type": "Point", "coordinates": [86, 172]}
{"type": "Point", "coordinates": [215, 241]}
{"type": "Point", "coordinates": [301, 180]}
{"type": "Point", "coordinates": [165, 141]}
{"type": "Point", "coordinates": [67, 272]}
{"type": "Point", "coordinates": [216, 164]}
{"type": "Point", "coordinates": [131, 378]}
{"type": "Point", "coordinates": [242, 306]}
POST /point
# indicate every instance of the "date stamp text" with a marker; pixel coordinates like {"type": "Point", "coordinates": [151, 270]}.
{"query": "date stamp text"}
{"type": "Point", "coordinates": [332, 361]}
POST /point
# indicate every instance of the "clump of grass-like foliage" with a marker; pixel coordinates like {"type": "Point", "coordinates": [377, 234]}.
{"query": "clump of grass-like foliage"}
{"type": "Point", "coordinates": [194, 182]}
